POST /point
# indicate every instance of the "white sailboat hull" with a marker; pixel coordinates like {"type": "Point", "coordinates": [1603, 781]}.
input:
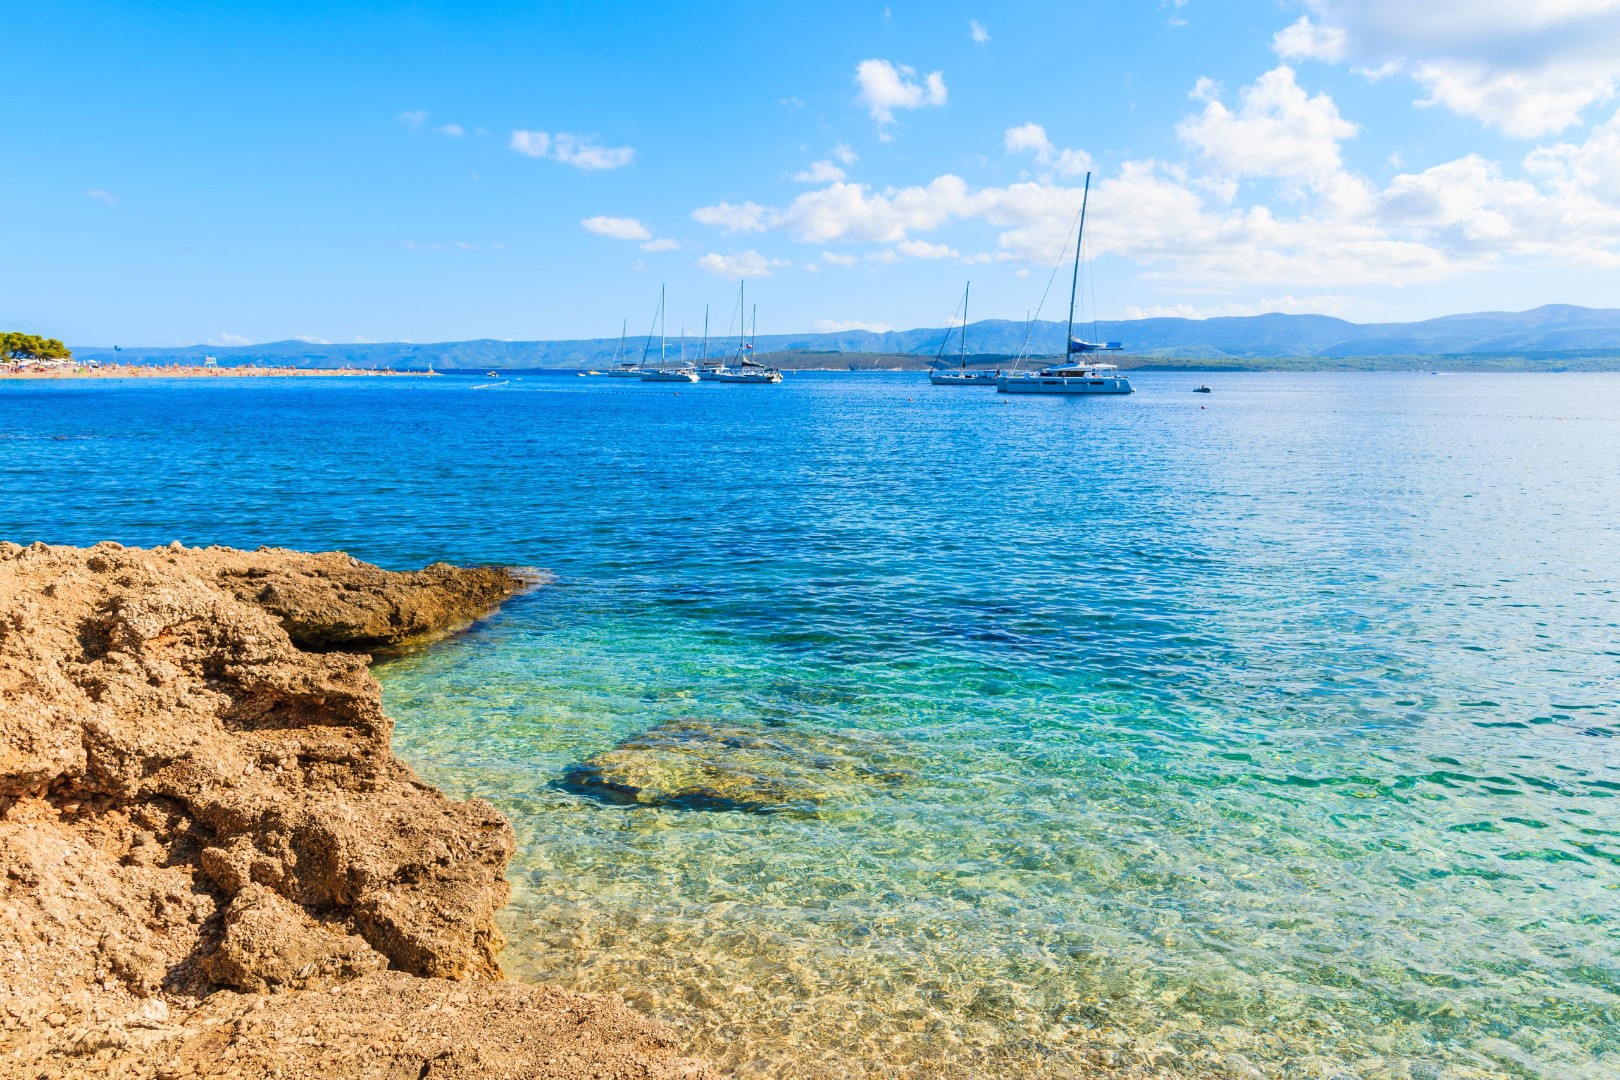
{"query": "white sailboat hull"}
{"type": "Point", "coordinates": [1062, 384]}
{"type": "Point", "coordinates": [669, 376]}
{"type": "Point", "coordinates": [971, 378]}
{"type": "Point", "coordinates": [763, 377]}
{"type": "Point", "coordinates": [619, 373]}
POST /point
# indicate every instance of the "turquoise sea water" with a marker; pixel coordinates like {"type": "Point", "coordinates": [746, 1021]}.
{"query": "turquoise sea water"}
{"type": "Point", "coordinates": [1273, 731]}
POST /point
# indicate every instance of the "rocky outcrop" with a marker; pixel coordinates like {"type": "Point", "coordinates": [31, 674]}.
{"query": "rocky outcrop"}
{"type": "Point", "coordinates": [197, 794]}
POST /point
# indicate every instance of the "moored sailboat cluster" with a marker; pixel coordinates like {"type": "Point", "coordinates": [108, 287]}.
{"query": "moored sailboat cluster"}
{"type": "Point", "coordinates": [747, 370]}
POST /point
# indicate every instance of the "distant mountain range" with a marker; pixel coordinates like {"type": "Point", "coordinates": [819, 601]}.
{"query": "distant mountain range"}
{"type": "Point", "coordinates": [1556, 330]}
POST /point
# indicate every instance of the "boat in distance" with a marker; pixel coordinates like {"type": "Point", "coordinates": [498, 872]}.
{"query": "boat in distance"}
{"type": "Point", "coordinates": [749, 375]}
{"type": "Point", "coordinates": [748, 370]}
{"type": "Point", "coordinates": [1071, 376]}
{"type": "Point", "coordinates": [964, 378]}
{"type": "Point", "coordinates": [1067, 379]}
{"type": "Point", "coordinates": [961, 376]}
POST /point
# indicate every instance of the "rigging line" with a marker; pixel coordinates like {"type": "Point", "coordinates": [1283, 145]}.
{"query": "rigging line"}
{"type": "Point", "coordinates": [1029, 328]}
{"type": "Point", "coordinates": [939, 356]}
{"type": "Point", "coordinates": [647, 348]}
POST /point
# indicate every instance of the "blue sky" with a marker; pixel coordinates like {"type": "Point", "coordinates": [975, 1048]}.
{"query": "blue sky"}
{"type": "Point", "coordinates": [342, 172]}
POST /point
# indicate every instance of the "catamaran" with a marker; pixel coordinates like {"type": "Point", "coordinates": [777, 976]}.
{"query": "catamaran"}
{"type": "Point", "coordinates": [748, 369]}
{"type": "Point", "coordinates": [686, 373]}
{"type": "Point", "coordinates": [961, 376]}
{"type": "Point", "coordinates": [1072, 376]}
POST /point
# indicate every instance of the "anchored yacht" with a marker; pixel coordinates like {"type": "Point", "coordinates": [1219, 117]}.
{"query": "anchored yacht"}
{"type": "Point", "coordinates": [1072, 376]}
{"type": "Point", "coordinates": [961, 376]}
{"type": "Point", "coordinates": [685, 373]}
{"type": "Point", "coordinates": [748, 370]}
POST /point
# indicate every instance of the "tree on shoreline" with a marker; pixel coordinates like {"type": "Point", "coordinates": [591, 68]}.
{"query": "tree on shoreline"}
{"type": "Point", "coordinates": [16, 346]}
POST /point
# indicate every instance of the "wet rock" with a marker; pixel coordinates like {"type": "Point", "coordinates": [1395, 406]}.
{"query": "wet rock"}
{"type": "Point", "coordinates": [723, 765]}
{"type": "Point", "coordinates": [331, 601]}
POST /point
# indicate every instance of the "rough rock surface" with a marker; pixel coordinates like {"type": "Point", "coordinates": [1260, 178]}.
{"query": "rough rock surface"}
{"type": "Point", "coordinates": [192, 806]}
{"type": "Point", "coordinates": [723, 765]}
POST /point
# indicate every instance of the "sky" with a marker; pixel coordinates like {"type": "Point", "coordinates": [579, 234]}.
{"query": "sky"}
{"type": "Point", "coordinates": [184, 173]}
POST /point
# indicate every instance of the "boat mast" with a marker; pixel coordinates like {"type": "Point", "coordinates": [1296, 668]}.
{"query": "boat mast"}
{"type": "Point", "coordinates": [965, 292]}
{"type": "Point", "coordinates": [705, 331]}
{"type": "Point", "coordinates": [1074, 286]}
{"type": "Point", "coordinates": [663, 341]}
{"type": "Point", "coordinates": [742, 324]}
{"type": "Point", "coordinates": [624, 328]}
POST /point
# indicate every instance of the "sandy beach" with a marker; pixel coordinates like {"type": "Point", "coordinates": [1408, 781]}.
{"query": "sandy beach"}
{"type": "Point", "coordinates": [191, 371]}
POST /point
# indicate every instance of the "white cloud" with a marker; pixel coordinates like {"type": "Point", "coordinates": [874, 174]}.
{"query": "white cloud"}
{"type": "Point", "coordinates": [845, 155]}
{"type": "Point", "coordinates": [748, 217]}
{"type": "Point", "coordinates": [742, 264]}
{"type": "Point", "coordinates": [885, 88]}
{"type": "Point", "coordinates": [1526, 67]}
{"type": "Point", "coordinates": [618, 228]}
{"type": "Point", "coordinates": [1032, 139]}
{"type": "Point", "coordinates": [838, 260]}
{"type": "Point", "coordinates": [838, 326]}
{"type": "Point", "coordinates": [413, 118]}
{"type": "Point", "coordinates": [922, 249]}
{"type": "Point", "coordinates": [819, 172]}
{"type": "Point", "coordinates": [1278, 130]}
{"type": "Point", "coordinates": [1308, 40]}
{"type": "Point", "coordinates": [455, 131]}
{"type": "Point", "coordinates": [663, 244]}
{"type": "Point", "coordinates": [580, 151]}
{"type": "Point", "coordinates": [101, 196]}
{"type": "Point", "coordinates": [1027, 138]}
{"type": "Point", "coordinates": [979, 33]}
{"type": "Point", "coordinates": [532, 143]}
{"type": "Point", "coordinates": [229, 339]}
{"type": "Point", "coordinates": [1206, 89]}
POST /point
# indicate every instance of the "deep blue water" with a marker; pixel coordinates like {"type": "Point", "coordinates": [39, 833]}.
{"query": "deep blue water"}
{"type": "Point", "coordinates": [1272, 729]}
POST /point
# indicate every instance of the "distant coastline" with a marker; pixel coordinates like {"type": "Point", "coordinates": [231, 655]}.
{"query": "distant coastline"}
{"type": "Point", "coordinates": [1553, 337]}
{"type": "Point", "coordinates": [187, 371]}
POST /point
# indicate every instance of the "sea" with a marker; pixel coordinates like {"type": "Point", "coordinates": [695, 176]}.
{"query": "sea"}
{"type": "Point", "coordinates": [1273, 732]}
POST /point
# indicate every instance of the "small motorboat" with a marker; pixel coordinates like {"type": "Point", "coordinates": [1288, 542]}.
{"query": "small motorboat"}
{"type": "Point", "coordinates": [1202, 389]}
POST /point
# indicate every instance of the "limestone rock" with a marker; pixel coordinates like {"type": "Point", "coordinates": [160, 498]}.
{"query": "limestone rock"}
{"type": "Point", "coordinates": [272, 943]}
{"type": "Point", "coordinates": [721, 765]}
{"type": "Point", "coordinates": [197, 793]}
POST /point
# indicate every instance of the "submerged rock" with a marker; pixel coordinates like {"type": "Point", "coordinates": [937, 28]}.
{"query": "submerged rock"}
{"type": "Point", "coordinates": [724, 765]}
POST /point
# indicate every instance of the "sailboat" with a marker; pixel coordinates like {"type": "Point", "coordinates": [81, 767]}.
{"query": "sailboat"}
{"type": "Point", "coordinates": [961, 376]}
{"type": "Point", "coordinates": [708, 370]}
{"type": "Point", "coordinates": [623, 366]}
{"type": "Point", "coordinates": [685, 373]}
{"type": "Point", "coordinates": [1072, 376]}
{"type": "Point", "coordinates": [748, 369]}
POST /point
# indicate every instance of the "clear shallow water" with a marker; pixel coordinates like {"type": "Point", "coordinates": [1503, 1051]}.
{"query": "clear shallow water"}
{"type": "Point", "coordinates": [1278, 734]}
